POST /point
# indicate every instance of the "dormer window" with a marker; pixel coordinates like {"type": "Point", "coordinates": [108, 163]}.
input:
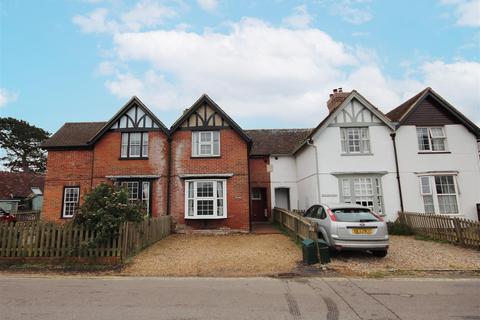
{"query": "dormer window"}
{"type": "Point", "coordinates": [134, 145]}
{"type": "Point", "coordinates": [431, 139]}
{"type": "Point", "coordinates": [205, 143]}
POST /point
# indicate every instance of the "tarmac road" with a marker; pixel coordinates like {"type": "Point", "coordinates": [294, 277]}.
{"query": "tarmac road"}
{"type": "Point", "coordinates": [237, 298]}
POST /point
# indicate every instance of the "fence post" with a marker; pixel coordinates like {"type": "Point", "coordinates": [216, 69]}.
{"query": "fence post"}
{"type": "Point", "coordinates": [296, 230]}
{"type": "Point", "coordinates": [458, 230]}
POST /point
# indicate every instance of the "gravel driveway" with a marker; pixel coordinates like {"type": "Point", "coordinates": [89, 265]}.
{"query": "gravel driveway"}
{"type": "Point", "coordinates": [217, 255]}
{"type": "Point", "coordinates": [408, 254]}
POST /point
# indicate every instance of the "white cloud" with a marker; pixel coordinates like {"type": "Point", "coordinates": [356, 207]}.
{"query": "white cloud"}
{"type": "Point", "coordinates": [208, 5]}
{"type": "Point", "coordinates": [95, 22]}
{"type": "Point", "coordinates": [352, 11]}
{"type": "Point", "coordinates": [458, 82]}
{"type": "Point", "coordinates": [467, 12]}
{"type": "Point", "coordinates": [7, 97]}
{"type": "Point", "coordinates": [300, 18]}
{"type": "Point", "coordinates": [145, 14]}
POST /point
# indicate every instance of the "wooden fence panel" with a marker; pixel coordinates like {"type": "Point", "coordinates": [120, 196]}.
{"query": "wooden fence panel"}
{"type": "Point", "coordinates": [40, 239]}
{"type": "Point", "coordinates": [298, 227]}
{"type": "Point", "coordinates": [459, 231]}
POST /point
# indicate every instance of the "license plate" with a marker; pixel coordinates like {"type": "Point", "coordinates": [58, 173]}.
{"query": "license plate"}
{"type": "Point", "coordinates": [362, 231]}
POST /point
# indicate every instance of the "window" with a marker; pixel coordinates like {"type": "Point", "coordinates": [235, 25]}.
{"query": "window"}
{"type": "Point", "coordinates": [355, 140]}
{"type": "Point", "coordinates": [365, 191]}
{"type": "Point", "coordinates": [205, 199]}
{"type": "Point", "coordinates": [71, 197]}
{"type": "Point", "coordinates": [431, 139]}
{"type": "Point", "coordinates": [205, 143]}
{"type": "Point", "coordinates": [256, 194]}
{"type": "Point", "coordinates": [134, 145]}
{"type": "Point", "coordinates": [439, 194]}
{"type": "Point", "coordinates": [138, 191]}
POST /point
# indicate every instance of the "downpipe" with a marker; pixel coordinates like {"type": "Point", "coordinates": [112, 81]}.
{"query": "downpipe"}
{"type": "Point", "coordinates": [311, 144]}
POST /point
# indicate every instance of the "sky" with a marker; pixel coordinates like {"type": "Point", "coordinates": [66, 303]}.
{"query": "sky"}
{"type": "Point", "coordinates": [268, 64]}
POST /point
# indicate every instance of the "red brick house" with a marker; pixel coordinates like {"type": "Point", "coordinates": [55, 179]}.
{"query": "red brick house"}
{"type": "Point", "coordinates": [198, 171]}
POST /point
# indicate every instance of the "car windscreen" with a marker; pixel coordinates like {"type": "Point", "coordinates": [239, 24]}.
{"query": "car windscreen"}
{"type": "Point", "coordinates": [354, 215]}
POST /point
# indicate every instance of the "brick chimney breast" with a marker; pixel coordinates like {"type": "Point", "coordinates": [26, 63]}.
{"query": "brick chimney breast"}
{"type": "Point", "coordinates": [336, 99]}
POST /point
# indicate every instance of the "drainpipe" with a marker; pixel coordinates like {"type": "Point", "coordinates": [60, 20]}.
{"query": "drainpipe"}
{"type": "Point", "coordinates": [169, 173]}
{"type": "Point", "coordinates": [393, 135]}
{"type": "Point", "coordinates": [310, 143]}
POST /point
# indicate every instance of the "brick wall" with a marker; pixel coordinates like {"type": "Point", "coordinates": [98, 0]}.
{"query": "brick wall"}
{"type": "Point", "coordinates": [89, 168]}
{"type": "Point", "coordinates": [260, 177]}
{"type": "Point", "coordinates": [233, 159]}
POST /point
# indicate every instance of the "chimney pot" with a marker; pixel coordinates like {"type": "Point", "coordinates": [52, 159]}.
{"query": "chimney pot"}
{"type": "Point", "coordinates": [335, 90]}
{"type": "Point", "coordinates": [340, 90]}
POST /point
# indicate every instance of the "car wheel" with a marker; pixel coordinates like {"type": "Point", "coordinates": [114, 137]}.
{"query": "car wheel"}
{"type": "Point", "coordinates": [380, 253]}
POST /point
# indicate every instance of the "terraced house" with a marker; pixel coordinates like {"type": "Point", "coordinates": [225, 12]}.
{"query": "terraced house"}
{"type": "Point", "coordinates": [209, 173]}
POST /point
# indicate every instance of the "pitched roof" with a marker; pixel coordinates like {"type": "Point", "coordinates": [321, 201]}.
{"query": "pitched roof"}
{"type": "Point", "coordinates": [398, 113]}
{"type": "Point", "coordinates": [401, 113]}
{"type": "Point", "coordinates": [133, 101]}
{"type": "Point", "coordinates": [204, 98]}
{"type": "Point", "coordinates": [276, 141]}
{"type": "Point", "coordinates": [19, 184]}
{"type": "Point", "coordinates": [73, 135]}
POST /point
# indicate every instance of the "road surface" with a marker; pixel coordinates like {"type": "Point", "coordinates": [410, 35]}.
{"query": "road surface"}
{"type": "Point", "coordinates": [237, 298]}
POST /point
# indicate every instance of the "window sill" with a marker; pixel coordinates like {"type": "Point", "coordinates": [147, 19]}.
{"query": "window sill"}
{"type": "Point", "coordinates": [434, 152]}
{"type": "Point", "coordinates": [203, 218]}
{"type": "Point", "coordinates": [204, 157]}
{"type": "Point", "coordinates": [133, 158]}
{"type": "Point", "coordinates": [356, 154]}
{"type": "Point", "coordinates": [66, 218]}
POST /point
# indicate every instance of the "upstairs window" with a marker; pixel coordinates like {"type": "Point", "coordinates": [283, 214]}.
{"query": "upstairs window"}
{"type": "Point", "coordinates": [355, 140]}
{"type": "Point", "coordinates": [206, 143]}
{"type": "Point", "coordinates": [431, 139]}
{"type": "Point", "coordinates": [71, 197]}
{"type": "Point", "coordinates": [134, 145]}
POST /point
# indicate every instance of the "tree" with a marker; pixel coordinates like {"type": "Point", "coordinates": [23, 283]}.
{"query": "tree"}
{"type": "Point", "coordinates": [104, 209]}
{"type": "Point", "coordinates": [21, 142]}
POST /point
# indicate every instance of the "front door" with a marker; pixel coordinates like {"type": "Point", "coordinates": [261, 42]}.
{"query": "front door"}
{"type": "Point", "coordinates": [259, 204]}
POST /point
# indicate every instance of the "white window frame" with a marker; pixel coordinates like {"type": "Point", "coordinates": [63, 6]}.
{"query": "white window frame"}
{"type": "Point", "coordinates": [431, 138]}
{"type": "Point", "coordinates": [432, 192]}
{"type": "Point", "coordinates": [195, 199]}
{"type": "Point", "coordinates": [66, 202]}
{"type": "Point", "coordinates": [197, 144]}
{"type": "Point", "coordinates": [364, 144]}
{"type": "Point", "coordinates": [126, 146]}
{"type": "Point", "coordinates": [348, 193]}
{"type": "Point", "coordinates": [141, 196]}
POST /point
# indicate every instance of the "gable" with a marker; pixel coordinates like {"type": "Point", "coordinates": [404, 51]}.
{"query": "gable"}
{"type": "Point", "coordinates": [204, 116]}
{"type": "Point", "coordinates": [354, 113]}
{"type": "Point", "coordinates": [135, 117]}
{"type": "Point", "coordinates": [429, 112]}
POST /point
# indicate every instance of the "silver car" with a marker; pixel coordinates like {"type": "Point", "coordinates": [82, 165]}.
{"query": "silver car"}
{"type": "Point", "coordinates": [350, 227]}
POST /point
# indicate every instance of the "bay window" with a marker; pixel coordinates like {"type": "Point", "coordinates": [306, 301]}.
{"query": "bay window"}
{"type": "Point", "coordinates": [134, 145]}
{"type": "Point", "coordinates": [439, 194]}
{"type": "Point", "coordinates": [205, 199]}
{"type": "Point", "coordinates": [362, 190]}
{"type": "Point", "coordinates": [138, 192]}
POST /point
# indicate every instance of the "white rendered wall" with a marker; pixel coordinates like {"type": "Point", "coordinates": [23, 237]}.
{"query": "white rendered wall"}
{"type": "Point", "coordinates": [463, 157]}
{"type": "Point", "coordinates": [283, 175]}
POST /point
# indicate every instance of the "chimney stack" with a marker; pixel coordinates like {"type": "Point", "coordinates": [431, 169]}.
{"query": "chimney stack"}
{"type": "Point", "coordinates": [336, 99]}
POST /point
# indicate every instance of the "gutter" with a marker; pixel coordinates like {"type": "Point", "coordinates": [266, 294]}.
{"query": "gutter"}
{"type": "Point", "coordinates": [393, 135]}
{"type": "Point", "coordinates": [310, 143]}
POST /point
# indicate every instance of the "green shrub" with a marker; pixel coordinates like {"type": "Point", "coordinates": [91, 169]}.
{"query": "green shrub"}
{"type": "Point", "coordinates": [104, 209]}
{"type": "Point", "coordinates": [398, 228]}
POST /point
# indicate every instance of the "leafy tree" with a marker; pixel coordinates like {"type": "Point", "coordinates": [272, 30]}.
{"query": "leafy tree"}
{"type": "Point", "coordinates": [104, 209]}
{"type": "Point", "coordinates": [21, 142]}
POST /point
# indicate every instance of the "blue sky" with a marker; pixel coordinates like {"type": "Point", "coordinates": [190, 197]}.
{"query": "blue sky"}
{"type": "Point", "coordinates": [269, 64]}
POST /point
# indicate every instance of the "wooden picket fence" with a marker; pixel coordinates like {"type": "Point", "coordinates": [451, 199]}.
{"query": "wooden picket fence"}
{"type": "Point", "coordinates": [298, 227]}
{"type": "Point", "coordinates": [50, 240]}
{"type": "Point", "coordinates": [27, 215]}
{"type": "Point", "coordinates": [459, 231]}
